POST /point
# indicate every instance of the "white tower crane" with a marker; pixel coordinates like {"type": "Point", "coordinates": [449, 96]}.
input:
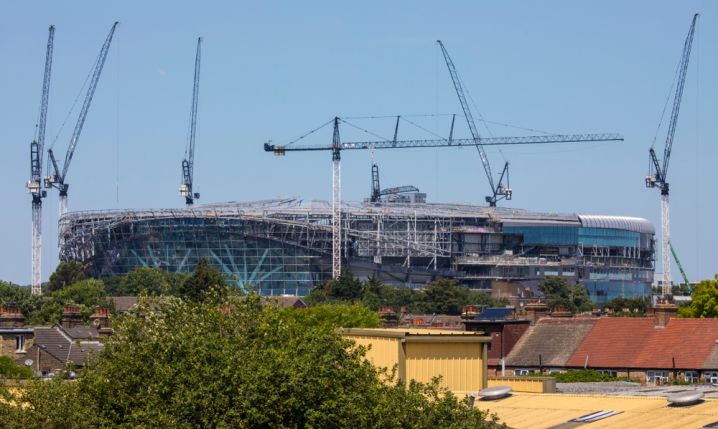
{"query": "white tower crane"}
{"type": "Point", "coordinates": [657, 175]}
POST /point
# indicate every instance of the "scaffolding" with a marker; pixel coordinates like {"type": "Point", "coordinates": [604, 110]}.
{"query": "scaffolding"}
{"type": "Point", "coordinates": [286, 245]}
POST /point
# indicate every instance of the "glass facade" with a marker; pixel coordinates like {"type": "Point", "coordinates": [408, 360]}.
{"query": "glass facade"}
{"type": "Point", "coordinates": [610, 262]}
{"type": "Point", "coordinates": [267, 266]}
{"type": "Point", "coordinates": [279, 247]}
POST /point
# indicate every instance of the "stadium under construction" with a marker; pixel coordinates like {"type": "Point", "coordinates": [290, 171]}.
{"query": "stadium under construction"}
{"type": "Point", "coordinates": [284, 246]}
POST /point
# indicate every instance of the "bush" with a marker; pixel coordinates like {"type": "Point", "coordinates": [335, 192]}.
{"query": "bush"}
{"type": "Point", "coordinates": [584, 376]}
{"type": "Point", "coordinates": [9, 369]}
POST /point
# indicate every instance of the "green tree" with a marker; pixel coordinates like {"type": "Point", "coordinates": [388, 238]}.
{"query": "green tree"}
{"type": "Point", "coordinates": [187, 364]}
{"type": "Point", "coordinates": [559, 293]}
{"type": "Point", "coordinates": [17, 296]}
{"type": "Point", "coordinates": [86, 294]}
{"type": "Point", "coordinates": [445, 296]}
{"type": "Point", "coordinates": [636, 307]}
{"type": "Point", "coordinates": [346, 288]}
{"type": "Point", "coordinates": [334, 316]}
{"type": "Point", "coordinates": [66, 273]}
{"type": "Point", "coordinates": [704, 300]}
{"type": "Point", "coordinates": [151, 281]}
{"type": "Point", "coordinates": [204, 283]}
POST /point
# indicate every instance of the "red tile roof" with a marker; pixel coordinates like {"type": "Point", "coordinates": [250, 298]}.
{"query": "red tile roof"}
{"type": "Point", "coordinates": [613, 342]}
{"type": "Point", "coordinates": [689, 341]}
{"type": "Point", "coordinates": [639, 343]}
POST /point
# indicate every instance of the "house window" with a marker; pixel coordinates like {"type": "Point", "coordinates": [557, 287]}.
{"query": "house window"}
{"type": "Point", "coordinates": [691, 376]}
{"type": "Point", "coordinates": [710, 376]}
{"type": "Point", "coordinates": [657, 377]}
{"type": "Point", "coordinates": [609, 372]}
{"type": "Point", "coordinates": [523, 371]}
{"type": "Point", "coordinates": [20, 343]}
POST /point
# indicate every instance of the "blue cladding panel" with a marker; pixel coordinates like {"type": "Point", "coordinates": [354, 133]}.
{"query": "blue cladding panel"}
{"type": "Point", "coordinates": [495, 313]}
{"type": "Point", "coordinates": [537, 235]}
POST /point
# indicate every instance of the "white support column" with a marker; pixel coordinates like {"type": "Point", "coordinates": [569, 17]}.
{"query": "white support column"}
{"type": "Point", "coordinates": [36, 283]}
{"type": "Point", "coordinates": [665, 240]}
{"type": "Point", "coordinates": [336, 219]}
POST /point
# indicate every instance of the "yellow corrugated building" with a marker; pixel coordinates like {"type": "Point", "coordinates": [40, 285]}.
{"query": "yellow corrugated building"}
{"type": "Point", "coordinates": [459, 357]}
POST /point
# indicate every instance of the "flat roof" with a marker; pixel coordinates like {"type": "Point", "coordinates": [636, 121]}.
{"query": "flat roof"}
{"type": "Point", "coordinates": [419, 335]}
{"type": "Point", "coordinates": [554, 410]}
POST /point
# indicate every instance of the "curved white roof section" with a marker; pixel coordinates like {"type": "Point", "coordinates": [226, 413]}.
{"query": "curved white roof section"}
{"type": "Point", "coordinates": [635, 224]}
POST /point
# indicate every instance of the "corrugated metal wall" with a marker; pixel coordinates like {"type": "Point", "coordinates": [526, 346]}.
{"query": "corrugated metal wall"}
{"type": "Point", "coordinates": [384, 352]}
{"type": "Point", "coordinates": [459, 364]}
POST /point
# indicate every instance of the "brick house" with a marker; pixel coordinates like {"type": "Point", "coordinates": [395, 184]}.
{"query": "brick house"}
{"type": "Point", "coordinates": [652, 349]}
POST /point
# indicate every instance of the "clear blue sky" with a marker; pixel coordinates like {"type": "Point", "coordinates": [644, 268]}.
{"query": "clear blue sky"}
{"type": "Point", "coordinates": [273, 70]}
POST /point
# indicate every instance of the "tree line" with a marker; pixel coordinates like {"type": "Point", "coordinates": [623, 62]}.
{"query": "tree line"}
{"type": "Point", "coordinates": [204, 355]}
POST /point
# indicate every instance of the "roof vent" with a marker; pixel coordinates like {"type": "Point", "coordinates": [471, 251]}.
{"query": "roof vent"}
{"type": "Point", "coordinates": [598, 415]}
{"type": "Point", "coordinates": [494, 393]}
{"type": "Point", "coordinates": [683, 399]}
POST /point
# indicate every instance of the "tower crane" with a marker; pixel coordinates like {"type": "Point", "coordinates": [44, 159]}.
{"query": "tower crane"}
{"type": "Point", "coordinates": [57, 178]}
{"type": "Point", "coordinates": [337, 146]}
{"type": "Point", "coordinates": [658, 172]}
{"type": "Point", "coordinates": [34, 185]}
{"type": "Point", "coordinates": [680, 266]}
{"type": "Point", "coordinates": [185, 189]}
{"type": "Point", "coordinates": [499, 191]}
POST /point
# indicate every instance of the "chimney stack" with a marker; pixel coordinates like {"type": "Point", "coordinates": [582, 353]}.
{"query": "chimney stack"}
{"type": "Point", "coordinates": [11, 317]}
{"type": "Point", "coordinates": [535, 311]}
{"type": "Point", "coordinates": [71, 317]}
{"type": "Point", "coordinates": [561, 311]}
{"type": "Point", "coordinates": [469, 312]}
{"type": "Point", "coordinates": [664, 310]}
{"type": "Point", "coordinates": [388, 317]}
{"type": "Point", "coordinates": [101, 319]}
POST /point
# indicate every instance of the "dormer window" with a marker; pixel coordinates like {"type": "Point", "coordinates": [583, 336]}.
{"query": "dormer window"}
{"type": "Point", "coordinates": [19, 343]}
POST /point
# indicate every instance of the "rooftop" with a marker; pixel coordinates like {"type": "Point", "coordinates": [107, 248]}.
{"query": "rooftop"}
{"type": "Point", "coordinates": [295, 206]}
{"type": "Point", "coordinates": [535, 411]}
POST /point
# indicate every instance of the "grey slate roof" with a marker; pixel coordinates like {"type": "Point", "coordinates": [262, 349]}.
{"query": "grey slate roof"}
{"type": "Point", "coordinates": [124, 303]}
{"type": "Point", "coordinates": [711, 361]}
{"type": "Point", "coordinates": [554, 340]}
{"type": "Point", "coordinates": [56, 342]}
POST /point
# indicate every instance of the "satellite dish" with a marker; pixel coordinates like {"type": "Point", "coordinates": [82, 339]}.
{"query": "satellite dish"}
{"type": "Point", "coordinates": [28, 362]}
{"type": "Point", "coordinates": [683, 399]}
{"type": "Point", "coordinates": [494, 393]}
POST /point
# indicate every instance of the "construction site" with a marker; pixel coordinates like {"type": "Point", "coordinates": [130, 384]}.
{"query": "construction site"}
{"type": "Point", "coordinates": [286, 246]}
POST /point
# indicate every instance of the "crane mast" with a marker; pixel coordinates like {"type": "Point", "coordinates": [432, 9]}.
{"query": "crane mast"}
{"type": "Point", "coordinates": [375, 187]}
{"type": "Point", "coordinates": [58, 177]}
{"type": "Point", "coordinates": [185, 189]}
{"type": "Point", "coordinates": [34, 186]}
{"type": "Point", "coordinates": [499, 191]}
{"type": "Point", "coordinates": [658, 172]}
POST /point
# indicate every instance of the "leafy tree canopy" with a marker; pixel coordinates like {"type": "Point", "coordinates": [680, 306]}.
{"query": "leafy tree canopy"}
{"type": "Point", "coordinates": [334, 316]}
{"type": "Point", "coordinates": [86, 294]}
{"type": "Point", "coordinates": [66, 273]}
{"type": "Point", "coordinates": [18, 296]}
{"type": "Point", "coordinates": [151, 281]}
{"type": "Point", "coordinates": [441, 296]}
{"type": "Point", "coordinates": [187, 364]}
{"type": "Point", "coordinates": [206, 282]}
{"type": "Point", "coordinates": [704, 300]}
{"type": "Point", "coordinates": [559, 293]}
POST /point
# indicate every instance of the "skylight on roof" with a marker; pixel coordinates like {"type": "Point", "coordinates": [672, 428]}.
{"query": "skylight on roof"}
{"type": "Point", "coordinates": [595, 416]}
